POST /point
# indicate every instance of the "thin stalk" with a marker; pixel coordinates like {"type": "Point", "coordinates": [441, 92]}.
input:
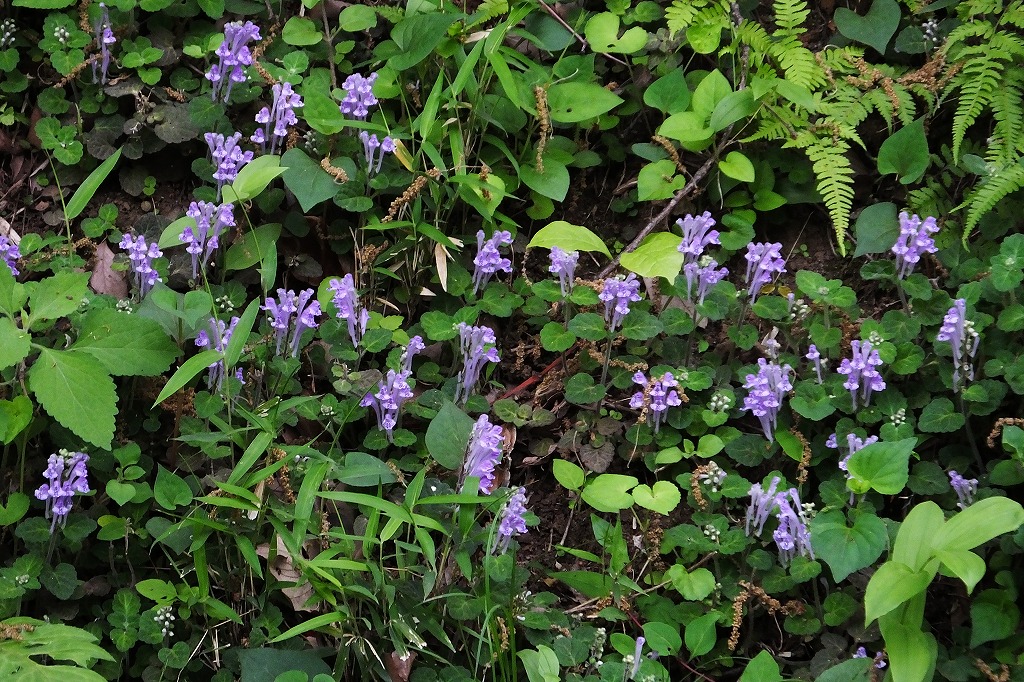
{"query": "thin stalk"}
{"type": "Point", "coordinates": [970, 433]}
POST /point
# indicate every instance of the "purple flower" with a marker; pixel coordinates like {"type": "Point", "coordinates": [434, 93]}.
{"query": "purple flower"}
{"type": "Point", "coordinates": [374, 151]}
{"type": "Point", "coordinates": [346, 300]}
{"type": "Point", "coordinates": [964, 489]}
{"type": "Point", "coordinates": [862, 373]}
{"type": "Point", "coordinates": [478, 347]}
{"type": "Point", "coordinates": [228, 156]}
{"type": "Point", "coordinates": [959, 332]}
{"type": "Point", "coordinates": [814, 356]}
{"type": "Point", "coordinates": [68, 475]}
{"type": "Point", "coordinates": [512, 521]}
{"type": "Point", "coordinates": [915, 239]}
{"type": "Point", "coordinates": [277, 118]}
{"type": "Point", "coordinates": [617, 294]}
{"type": "Point", "coordinates": [766, 390]}
{"type": "Point", "coordinates": [10, 253]}
{"type": "Point", "coordinates": [104, 36]}
{"type": "Point", "coordinates": [658, 398]}
{"type": "Point", "coordinates": [393, 390]}
{"type": "Point", "coordinates": [358, 96]}
{"type": "Point", "coordinates": [488, 257]}
{"type": "Point", "coordinates": [706, 276]}
{"type": "Point", "coordinates": [863, 653]}
{"type": "Point", "coordinates": [792, 536]}
{"type": "Point", "coordinates": [217, 339]}
{"type": "Point", "coordinates": [763, 260]}
{"type": "Point", "coordinates": [281, 311]}
{"type": "Point", "coordinates": [232, 55]}
{"type": "Point", "coordinates": [638, 651]}
{"type": "Point", "coordinates": [211, 221]}
{"type": "Point", "coordinates": [141, 256]}
{"type": "Point", "coordinates": [563, 264]}
{"type": "Point", "coordinates": [697, 235]}
{"type": "Point", "coordinates": [485, 444]}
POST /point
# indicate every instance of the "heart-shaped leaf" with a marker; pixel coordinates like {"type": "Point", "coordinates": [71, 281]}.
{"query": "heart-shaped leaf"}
{"type": "Point", "coordinates": [663, 497]}
{"type": "Point", "coordinates": [17, 505]}
{"type": "Point", "coordinates": [876, 28]}
{"type": "Point", "coordinates": [120, 492]}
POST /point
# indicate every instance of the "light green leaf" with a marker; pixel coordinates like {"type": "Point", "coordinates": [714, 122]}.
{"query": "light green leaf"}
{"type": "Point", "coordinates": [658, 180]}
{"type": "Point", "coordinates": [731, 108]}
{"type": "Point", "coordinates": [610, 492]}
{"type": "Point", "coordinates": [253, 247]}
{"type": "Point", "coordinates": [124, 344]}
{"type": "Point", "coordinates": [56, 296]}
{"type": "Point", "coordinates": [701, 634]}
{"type": "Point", "coordinates": [568, 237]}
{"type": "Point", "coordinates": [602, 34]}
{"type": "Point", "coordinates": [85, 192]}
{"type": "Point", "coordinates": [15, 343]}
{"type": "Point", "coordinates": [570, 475]}
{"type": "Point", "coordinates": [762, 668]}
{"type": "Point", "coordinates": [552, 183]}
{"type": "Point", "coordinates": [575, 102]}
{"type": "Point", "coordinates": [186, 372]}
{"type": "Point", "coordinates": [738, 167]}
{"type": "Point", "coordinates": [254, 178]}
{"type": "Point", "coordinates": [663, 497]}
{"type": "Point", "coordinates": [891, 585]}
{"type": "Point", "coordinates": [300, 31]}
{"type": "Point", "coordinates": [964, 564]}
{"type": "Point", "coordinates": [657, 256]}
{"type": "Point", "coordinates": [979, 523]}
{"type": "Point", "coordinates": [915, 541]}
{"type": "Point", "coordinates": [883, 467]}
{"type": "Point", "coordinates": [693, 585]}
{"type": "Point", "coordinates": [310, 183]}
{"type": "Point", "coordinates": [73, 388]}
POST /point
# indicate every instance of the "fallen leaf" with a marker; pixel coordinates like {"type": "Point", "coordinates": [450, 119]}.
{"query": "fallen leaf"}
{"type": "Point", "coordinates": [283, 568]}
{"type": "Point", "coordinates": [398, 667]}
{"type": "Point", "coordinates": [105, 280]}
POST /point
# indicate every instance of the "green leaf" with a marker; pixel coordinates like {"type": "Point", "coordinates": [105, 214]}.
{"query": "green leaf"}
{"type": "Point", "coordinates": [575, 102]}
{"type": "Point", "coordinates": [964, 564]}
{"type": "Point", "coordinates": [363, 470]}
{"type": "Point", "coordinates": [657, 256]}
{"type": "Point", "coordinates": [580, 389]}
{"type": "Point", "coordinates": [669, 94]}
{"type": "Point", "coordinates": [762, 668]}
{"type": "Point", "coordinates": [448, 436]}
{"type": "Point", "coordinates": [15, 343]}
{"type": "Point", "coordinates": [882, 466]}
{"type": "Point", "coordinates": [186, 372]}
{"type": "Point", "coordinates": [355, 18]}
{"type": "Point", "coordinates": [310, 183]}
{"type": "Point", "coordinates": [738, 167]}
{"type": "Point", "coordinates": [731, 108]}
{"type": "Point", "coordinates": [602, 34]}
{"type": "Point", "coordinates": [554, 337]}
{"type": "Point", "coordinates": [686, 127]}
{"type": "Point", "coordinates": [905, 153]}
{"type": "Point", "coordinates": [640, 325]}
{"type": "Point", "coordinates": [85, 192]}
{"type": "Point", "coordinates": [663, 497]}
{"type": "Point", "coordinates": [17, 506]}
{"type": "Point", "coordinates": [77, 392]}
{"type": "Point", "coordinates": [170, 490]}
{"type": "Point", "coordinates": [847, 549]}
{"type": "Point", "coordinates": [589, 326]}
{"type": "Point", "coordinates": [541, 665]}
{"type": "Point", "coordinates": [119, 492]}
{"type": "Point", "coordinates": [610, 492]}
{"type": "Point", "coordinates": [701, 634]}
{"type": "Point", "coordinates": [552, 183]}
{"type": "Point", "coordinates": [911, 652]}
{"type": "Point", "coordinates": [874, 29]}
{"type": "Point", "coordinates": [570, 475]}
{"type": "Point", "coordinates": [43, 4]}
{"type": "Point", "coordinates": [693, 585]}
{"type": "Point", "coordinates": [979, 523]}
{"type": "Point", "coordinates": [1008, 264]}
{"type": "Point", "coordinates": [56, 296]}
{"type": "Point", "coordinates": [300, 31]}
{"type": "Point", "coordinates": [61, 581]}
{"type": "Point", "coordinates": [658, 180]}
{"type": "Point", "coordinates": [940, 416]}
{"type": "Point", "coordinates": [254, 178]}
{"type": "Point", "coordinates": [877, 229]}
{"type": "Point", "coordinates": [417, 35]}
{"type": "Point", "coordinates": [322, 112]}
{"type": "Point", "coordinates": [891, 585]}
{"type": "Point", "coordinates": [254, 247]}
{"type": "Point", "coordinates": [994, 617]}
{"type": "Point", "coordinates": [126, 345]}
{"type": "Point", "coordinates": [160, 591]}
{"type": "Point", "coordinates": [811, 400]}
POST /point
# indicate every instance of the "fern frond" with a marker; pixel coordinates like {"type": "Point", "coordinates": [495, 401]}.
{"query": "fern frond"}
{"type": "Point", "coordinates": [798, 62]}
{"type": "Point", "coordinates": [834, 175]}
{"type": "Point", "coordinates": [682, 14]}
{"type": "Point", "coordinates": [1007, 140]}
{"type": "Point", "coordinates": [990, 192]}
{"type": "Point", "coordinates": [790, 16]}
{"type": "Point", "coordinates": [977, 83]}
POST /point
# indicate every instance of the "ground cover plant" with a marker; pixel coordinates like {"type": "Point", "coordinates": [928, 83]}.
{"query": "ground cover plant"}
{"type": "Point", "coordinates": [442, 341]}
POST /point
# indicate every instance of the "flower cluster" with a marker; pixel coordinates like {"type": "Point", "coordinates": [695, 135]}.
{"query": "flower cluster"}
{"type": "Point", "coordinates": [706, 274]}
{"type": "Point", "coordinates": [861, 372]}
{"type": "Point", "coordinates": [697, 236]}
{"type": "Point", "coordinates": [814, 356]}
{"type": "Point", "coordinates": [104, 35]}
{"type": "Point", "coordinates": [655, 398]}
{"type": "Point", "coordinates": [763, 261]}
{"type": "Point", "coordinates": [228, 157]}
{"type": "Point", "coordinates": [915, 239]}
{"type": "Point", "coordinates": [7, 27]}
{"type": "Point", "coordinates": [792, 537]}
{"type": "Point", "coordinates": [68, 475]}
{"type": "Point", "coordinates": [10, 254]}
{"type": "Point", "coordinates": [216, 337]}
{"type": "Point", "coordinates": [863, 653]}
{"type": "Point", "coordinates": [765, 391]}
{"type": "Point", "coordinates": [478, 347]}
{"type": "Point", "coordinates": [484, 453]}
{"type": "Point", "coordinates": [277, 117]}
{"type": "Point", "coordinates": [713, 476]}
{"type": "Point", "coordinates": [164, 620]}
{"type": "Point", "coordinates": [965, 488]}
{"type": "Point", "coordinates": [563, 264]}
{"type": "Point", "coordinates": [511, 521]}
{"type": "Point", "coordinates": [374, 151]}
{"type": "Point", "coordinates": [141, 256]}
{"type": "Point", "coordinates": [211, 221]}
{"type": "Point", "coordinates": [617, 294]}
{"type": "Point", "coordinates": [393, 390]}
{"type": "Point", "coordinates": [959, 332]}
{"type": "Point", "coordinates": [488, 257]}
{"type": "Point", "coordinates": [358, 96]}
{"type": "Point", "coordinates": [346, 301]}
{"type": "Point", "coordinates": [232, 55]}
{"type": "Point", "coordinates": [281, 311]}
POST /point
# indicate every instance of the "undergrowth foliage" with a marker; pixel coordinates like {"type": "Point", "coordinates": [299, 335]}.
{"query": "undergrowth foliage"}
{"type": "Point", "coordinates": [479, 344]}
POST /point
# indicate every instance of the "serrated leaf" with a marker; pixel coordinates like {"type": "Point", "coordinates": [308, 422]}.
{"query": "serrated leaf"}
{"type": "Point", "coordinates": [126, 345]}
{"type": "Point", "coordinates": [940, 416]}
{"type": "Point", "coordinates": [73, 388]}
{"type": "Point", "coordinates": [882, 466]}
{"type": "Point", "coordinates": [15, 343]}
{"type": "Point", "coordinates": [555, 338]}
{"type": "Point", "coordinates": [57, 296]}
{"type": "Point", "coordinates": [847, 549]}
